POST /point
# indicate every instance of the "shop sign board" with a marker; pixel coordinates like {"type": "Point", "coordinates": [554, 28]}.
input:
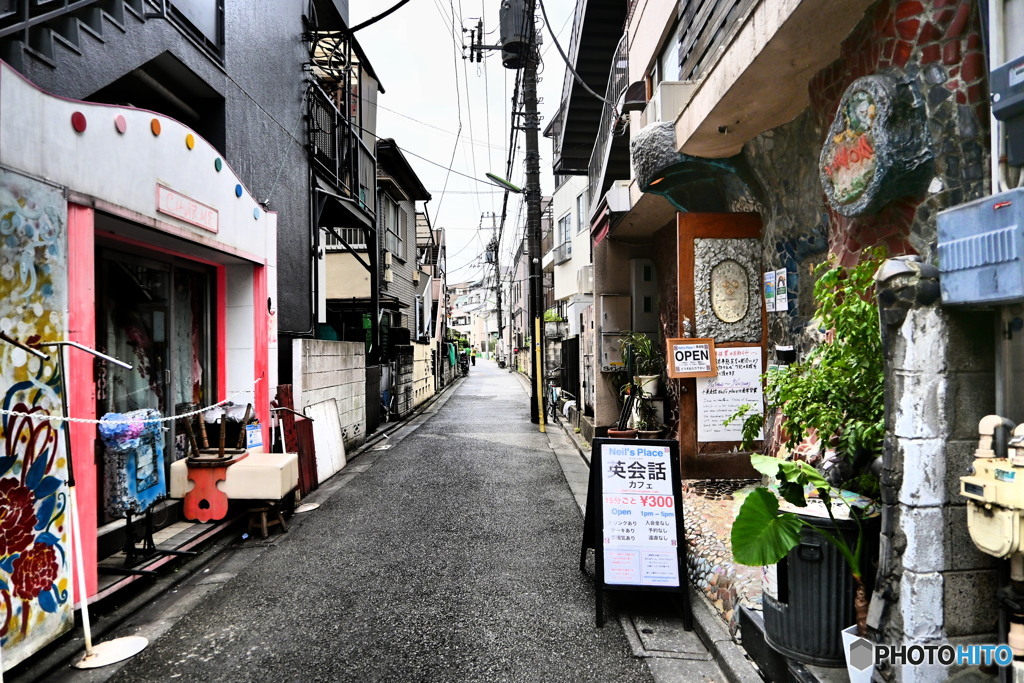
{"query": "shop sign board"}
{"type": "Point", "coordinates": [691, 358]}
{"type": "Point", "coordinates": [187, 209]}
{"type": "Point", "coordinates": [738, 383]}
{"type": "Point", "coordinates": [253, 436]}
{"type": "Point", "coordinates": [633, 519]}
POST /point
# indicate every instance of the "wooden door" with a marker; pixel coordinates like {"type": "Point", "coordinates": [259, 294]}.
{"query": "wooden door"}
{"type": "Point", "coordinates": [720, 295]}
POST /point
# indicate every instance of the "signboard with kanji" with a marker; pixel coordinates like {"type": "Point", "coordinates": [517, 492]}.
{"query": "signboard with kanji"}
{"type": "Point", "coordinates": [633, 519]}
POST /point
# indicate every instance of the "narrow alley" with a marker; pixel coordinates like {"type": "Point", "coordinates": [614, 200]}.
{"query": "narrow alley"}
{"type": "Point", "coordinates": [447, 552]}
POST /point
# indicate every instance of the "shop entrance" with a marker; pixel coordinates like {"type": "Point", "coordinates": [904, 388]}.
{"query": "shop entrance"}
{"type": "Point", "coordinates": [155, 313]}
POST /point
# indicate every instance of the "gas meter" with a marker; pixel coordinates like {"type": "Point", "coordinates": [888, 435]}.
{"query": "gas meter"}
{"type": "Point", "coordinates": [995, 491]}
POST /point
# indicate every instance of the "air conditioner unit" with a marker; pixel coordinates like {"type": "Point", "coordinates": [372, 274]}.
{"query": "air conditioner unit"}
{"type": "Point", "coordinates": [585, 280]}
{"type": "Point", "coordinates": [389, 275]}
{"type": "Point", "coordinates": [387, 259]}
{"type": "Point", "coordinates": [668, 100]}
{"type": "Point", "coordinates": [415, 277]}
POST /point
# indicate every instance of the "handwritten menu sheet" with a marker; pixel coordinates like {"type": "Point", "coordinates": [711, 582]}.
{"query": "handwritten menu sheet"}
{"type": "Point", "coordinates": [718, 398]}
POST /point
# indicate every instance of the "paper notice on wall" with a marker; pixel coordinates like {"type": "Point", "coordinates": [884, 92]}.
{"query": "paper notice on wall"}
{"type": "Point", "coordinates": [781, 290]}
{"type": "Point", "coordinates": [769, 291]}
{"type": "Point", "coordinates": [737, 384]}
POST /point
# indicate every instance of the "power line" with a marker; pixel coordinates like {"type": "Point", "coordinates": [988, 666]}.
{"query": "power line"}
{"type": "Point", "coordinates": [568, 64]}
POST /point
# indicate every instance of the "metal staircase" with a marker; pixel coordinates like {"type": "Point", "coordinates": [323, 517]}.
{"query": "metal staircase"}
{"type": "Point", "coordinates": [38, 28]}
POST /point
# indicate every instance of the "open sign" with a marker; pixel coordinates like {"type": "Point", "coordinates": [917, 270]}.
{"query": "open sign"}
{"type": "Point", "coordinates": [691, 358]}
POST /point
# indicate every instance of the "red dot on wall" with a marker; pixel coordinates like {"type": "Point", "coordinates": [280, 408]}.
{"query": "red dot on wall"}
{"type": "Point", "coordinates": [78, 122]}
{"type": "Point", "coordinates": [120, 124]}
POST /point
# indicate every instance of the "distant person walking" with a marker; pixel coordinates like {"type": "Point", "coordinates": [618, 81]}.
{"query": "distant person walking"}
{"type": "Point", "coordinates": [472, 355]}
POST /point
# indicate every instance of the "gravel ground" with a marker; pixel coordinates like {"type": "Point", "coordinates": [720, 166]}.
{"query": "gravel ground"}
{"type": "Point", "coordinates": [453, 557]}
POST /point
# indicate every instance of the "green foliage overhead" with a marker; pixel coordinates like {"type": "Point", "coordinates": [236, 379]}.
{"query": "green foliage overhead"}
{"type": "Point", "coordinates": [838, 390]}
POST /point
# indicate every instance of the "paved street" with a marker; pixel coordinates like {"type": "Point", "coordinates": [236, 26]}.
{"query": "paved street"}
{"type": "Point", "coordinates": [448, 555]}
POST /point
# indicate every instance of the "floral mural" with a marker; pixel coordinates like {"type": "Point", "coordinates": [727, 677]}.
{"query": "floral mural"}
{"type": "Point", "coordinates": [35, 564]}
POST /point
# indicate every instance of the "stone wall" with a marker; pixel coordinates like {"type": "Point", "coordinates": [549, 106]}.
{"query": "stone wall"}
{"type": "Point", "coordinates": [330, 369]}
{"type": "Point", "coordinates": [933, 586]}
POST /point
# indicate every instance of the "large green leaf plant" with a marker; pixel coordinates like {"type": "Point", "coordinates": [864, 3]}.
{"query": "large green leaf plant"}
{"type": "Point", "coordinates": [837, 391]}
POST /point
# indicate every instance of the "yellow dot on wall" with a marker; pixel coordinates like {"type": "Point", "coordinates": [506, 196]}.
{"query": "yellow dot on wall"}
{"type": "Point", "coordinates": [190, 141]}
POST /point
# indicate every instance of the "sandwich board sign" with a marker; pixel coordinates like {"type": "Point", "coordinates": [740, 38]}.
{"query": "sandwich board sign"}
{"type": "Point", "coordinates": [633, 520]}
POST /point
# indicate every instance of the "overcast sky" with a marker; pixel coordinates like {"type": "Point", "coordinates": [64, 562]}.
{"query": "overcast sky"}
{"type": "Point", "coordinates": [444, 111]}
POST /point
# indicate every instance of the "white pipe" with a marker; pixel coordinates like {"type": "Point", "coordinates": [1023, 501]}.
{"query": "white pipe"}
{"type": "Point", "coordinates": [79, 551]}
{"type": "Point", "coordinates": [1017, 570]}
{"type": "Point", "coordinates": [995, 60]}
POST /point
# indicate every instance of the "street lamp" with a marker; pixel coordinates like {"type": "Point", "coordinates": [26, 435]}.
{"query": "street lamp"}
{"type": "Point", "coordinates": [503, 184]}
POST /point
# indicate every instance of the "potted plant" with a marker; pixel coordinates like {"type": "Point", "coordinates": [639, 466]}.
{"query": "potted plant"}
{"type": "Point", "coordinates": [648, 359]}
{"type": "Point", "coordinates": [836, 393]}
{"type": "Point", "coordinates": [645, 418]}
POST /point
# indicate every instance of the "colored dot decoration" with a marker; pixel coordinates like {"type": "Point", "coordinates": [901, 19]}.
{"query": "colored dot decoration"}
{"type": "Point", "coordinates": [79, 124]}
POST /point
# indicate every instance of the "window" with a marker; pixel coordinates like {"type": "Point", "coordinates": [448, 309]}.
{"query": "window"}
{"type": "Point", "coordinates": [667, 67]}
{"type": "Point", "coordinates": [581, 212]}
{"type": "Point", "coordinates": [355, 237]}
{"type": "Point", "coordinates": [392, 225]}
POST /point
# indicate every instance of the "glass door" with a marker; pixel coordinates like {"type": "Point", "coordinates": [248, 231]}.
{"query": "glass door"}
{"type": "Point", "coordinates": [156, 315]}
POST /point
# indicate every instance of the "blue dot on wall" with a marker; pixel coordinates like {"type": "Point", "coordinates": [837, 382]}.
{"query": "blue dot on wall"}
{"type": "Point", "coordinates": [238, 190]}
{"type": "Point", "coordinates": [256, 213]}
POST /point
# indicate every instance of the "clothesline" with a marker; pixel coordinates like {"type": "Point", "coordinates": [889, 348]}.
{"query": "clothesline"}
{"type": "Point", "coordinates": [83, 420]}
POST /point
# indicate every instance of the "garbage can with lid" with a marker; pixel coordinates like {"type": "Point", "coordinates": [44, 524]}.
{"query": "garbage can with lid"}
{"type": "Point", "coordinates": [808, 596]}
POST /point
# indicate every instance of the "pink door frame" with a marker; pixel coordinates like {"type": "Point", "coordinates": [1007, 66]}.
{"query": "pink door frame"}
{"type": "Point", "coordinates": [81, 389]}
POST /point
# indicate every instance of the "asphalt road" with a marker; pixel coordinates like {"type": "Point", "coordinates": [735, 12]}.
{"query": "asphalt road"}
{"type": "Point", "coordinates": [450, 556]}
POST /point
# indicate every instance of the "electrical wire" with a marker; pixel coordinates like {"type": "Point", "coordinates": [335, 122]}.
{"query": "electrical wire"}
{"type": "Point", "coordinates": [458, 101]}
{"type": "Point", "coordinates": [568, 64]}
{"type": "Point", "coordinates": [374, 20]}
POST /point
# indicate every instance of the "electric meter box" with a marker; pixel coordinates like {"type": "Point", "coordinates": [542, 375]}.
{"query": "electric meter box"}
{"type": "Point", "coordinates": [981, 247]}
{"type": "Point", "coordinates": [1007, 84]}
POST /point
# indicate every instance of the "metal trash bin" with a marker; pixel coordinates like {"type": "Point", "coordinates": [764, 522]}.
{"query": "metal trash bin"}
{"type": "Point", "coordinates": [812, 600]}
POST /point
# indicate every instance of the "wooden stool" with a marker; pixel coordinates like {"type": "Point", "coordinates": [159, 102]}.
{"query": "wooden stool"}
{"type": "Point", "coordinates": [258, 517]}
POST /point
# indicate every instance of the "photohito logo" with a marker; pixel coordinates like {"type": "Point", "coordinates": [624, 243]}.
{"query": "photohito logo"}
{"type": "Point", "coordinates": [864, 654]}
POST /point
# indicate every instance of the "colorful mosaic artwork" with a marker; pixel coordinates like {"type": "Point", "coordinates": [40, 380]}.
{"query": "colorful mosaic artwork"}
{"type": "Point", "coordinates": [35, 563]}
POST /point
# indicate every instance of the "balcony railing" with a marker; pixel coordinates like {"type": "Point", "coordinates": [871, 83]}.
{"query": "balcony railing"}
{"type": "Point", "coordinates": [355, 237]}
{"type": "Point", "coordinates": [710, 24]}
{"type": "Point", "coordinates": [338, 152]}
{"type": "Point", "coordinates": [563, 252]}
{"type": "Point", "coordinates": [618, 79]}
{"type": "Point", "coordinates": [32, 21]}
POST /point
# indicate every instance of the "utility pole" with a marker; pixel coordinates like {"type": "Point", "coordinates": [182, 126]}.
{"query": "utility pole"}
{"type": "Point", "coordinates": [519, 51]}
{"type": "Point", "coordinates": [531, 126]}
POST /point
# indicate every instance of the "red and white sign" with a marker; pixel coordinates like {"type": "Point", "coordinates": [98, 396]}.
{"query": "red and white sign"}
{"type": "Point", "coordinates": [639, 516]}
{"type": "Point", "coordinates": [187, 209]}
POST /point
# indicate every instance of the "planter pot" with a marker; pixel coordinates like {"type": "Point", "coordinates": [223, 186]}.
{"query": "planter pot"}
{"type": "Point", "coordinates": [621, 433]}
{"type": "Point", "coordinates": [810, 595]}
{"type": "Point", "coordinates": [649, 433]}
{"type": "Point", "coordinates": [650, 384]}
{"type": "Point", "coordinates": [859, 661]}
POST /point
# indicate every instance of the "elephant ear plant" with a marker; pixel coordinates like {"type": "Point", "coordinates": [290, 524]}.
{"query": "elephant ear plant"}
{"type": "Point", "coordinates": [838, 392]}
